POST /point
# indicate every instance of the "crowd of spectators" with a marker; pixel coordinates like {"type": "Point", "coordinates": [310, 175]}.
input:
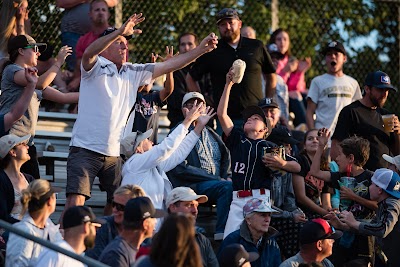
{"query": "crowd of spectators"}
{"type": "Point", "coordinates": [283, 195]}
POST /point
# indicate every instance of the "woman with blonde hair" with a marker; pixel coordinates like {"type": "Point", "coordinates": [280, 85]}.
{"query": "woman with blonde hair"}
{"type": "Point", "coordinates": [38, 203]}
{"type": "Point", "coordinates": [174, 245]}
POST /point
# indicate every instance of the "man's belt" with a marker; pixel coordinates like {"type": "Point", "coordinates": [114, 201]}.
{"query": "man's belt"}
{"type": "Point", "coordinates": [249, 193]}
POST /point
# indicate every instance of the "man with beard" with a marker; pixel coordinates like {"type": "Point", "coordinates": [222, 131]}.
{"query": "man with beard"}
{"type": "Point", "coordinates": [331, 92]}
{"type": "Point", "coordinates": [79, 234]}
{"type": "Point", "coordinates": [233, 46]}
{"type": "Point", "coordinates": [99, 15]}
{"type": "Point", "coordinates": [364, 119]}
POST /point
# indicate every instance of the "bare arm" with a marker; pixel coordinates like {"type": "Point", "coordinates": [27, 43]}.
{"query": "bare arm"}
{"type": "Point", "coordinates": [311, 107]}
{"type": "Point", "coordinates": [89, 57]}
{"type": "Point", "coordinates": [300, 193]}
{"type": "Point", "coordinates": [347, 193]}
{"type": "Point", "coordinates": [334, 149]}
{"type": "Point", "coordinates": [270, 84]}
{"type": "Point", "coordinates": [275, 161]}
{"type": "Point", "coordinates": [323, 136]}
{"type": "Point", "coordinates": [56, 96]}
{"type": "Point", "coordinates": [169, 82]}
{"type": "Point", "coordinates": [19, 108]}
{"type": "Point", "coordinates": [208, 44]}
{"type": "Point", "coordinates": [222, 111]}
{"type": "Point", "coordinates": [326, 201]}
{"type": "Point", "coordinates": [192, 85]}
{"type": "Point", "coordinates": [395, 146]}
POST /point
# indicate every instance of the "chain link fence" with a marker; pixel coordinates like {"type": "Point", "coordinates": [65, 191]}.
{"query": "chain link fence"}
{"type": "Point", "coordinates": [369, 29]}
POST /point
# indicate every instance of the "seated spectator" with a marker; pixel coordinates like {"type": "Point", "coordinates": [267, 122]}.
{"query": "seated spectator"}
{"type": "Point", "coordinates": [148, 104]}
{"type": "Point", "coordinates": [352, 156]}
{"type": "Point", "coordinates": [113, 225]}
{"type": "Point", "coordinates": [248, 32]}
{"type": "Point", "coordinates": [174, 245]}
{"type": "Point", "coordinates": [146, 165]}
{"type": "Point", "coordinates": [255, 234]}
{"type": "Point", "coordinates": [385, 226]}
{"type": "Point", "coordinates": [235, 255]}
{"type": "Point", "coordinates": [38, 203]}
{"type": "Point", "coordinates": [250, 177]}
{"type": "Point", "coordinates": [394, 162]}
{"type": "Point", "coordinates": [207, 168]}
{"type": "Point", "coordinates": [80, 225]}
{"type": "Point", "coordinates": [13, 153]}
{"type": "Point", "coordinates": [138, 224]}
{"type": "Point", "coordinates": [316, 241]}
{"type": "Point", "coordinates": [185, 200]}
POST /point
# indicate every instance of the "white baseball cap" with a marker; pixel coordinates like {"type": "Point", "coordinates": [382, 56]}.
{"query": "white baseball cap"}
{"type": "Point", "coordinates": [388, 180]}
{"type": "Point", "coordinates": [132, 141]}
{"type": "Point", "coordinates": [192, 95]}
{"type": "Point", "coordinates": [184, 194]}
{"type": "Point", "coordinates": [394, 160]}
{"type": "Point", "coordinates": [7, 142]}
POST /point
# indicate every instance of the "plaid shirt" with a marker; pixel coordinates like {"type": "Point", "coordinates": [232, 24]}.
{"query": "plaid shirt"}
{"type": "Point", "coordinates": [209, 154]}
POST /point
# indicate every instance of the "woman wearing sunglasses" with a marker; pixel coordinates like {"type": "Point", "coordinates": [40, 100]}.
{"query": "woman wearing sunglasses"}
{"type": "Point", "coordinates": [24, 52]}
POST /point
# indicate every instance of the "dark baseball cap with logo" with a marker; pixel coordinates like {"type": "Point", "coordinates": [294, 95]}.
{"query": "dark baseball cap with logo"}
{"type": "Point", "coordinates": [334, 45]}
{"type": "Point", "coordinates": [379, 79]}
{"type": "Point", "coordinates": [235, 255]}
{"type": "Point", "coordinates": [317, 229]}
{"type": "Point", "coordinates": [24, 41]}
{"type": "Point", "coordinates": [139, 209]}
{"type": "Point", "coordinates": [227, 13]}
{"type": "Point", "coordinates": [113, 29]}
{"type": "Point", "coordinates": [78, 215]}
{"type": "Point", "coordinates": [268, 103]}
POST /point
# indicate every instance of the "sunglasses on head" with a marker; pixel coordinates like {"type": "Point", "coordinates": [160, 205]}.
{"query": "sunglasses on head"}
{"type": "Point", "coordinates": [34, 47]}
{"type": "Point", "coordinates": [118, 206]}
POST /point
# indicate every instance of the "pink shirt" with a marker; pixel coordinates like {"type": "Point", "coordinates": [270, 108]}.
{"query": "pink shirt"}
{"type": "Point", "coordinates": [295, 80]}
{"type": "Point", "coordinates": [83, 42]}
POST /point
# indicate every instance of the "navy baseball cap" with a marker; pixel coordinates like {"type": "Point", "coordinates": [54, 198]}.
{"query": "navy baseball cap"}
{"type": "Point", "coordinates": [78, 215]}
{"type": "Point", "coordinates": [227, 13]}
{"type": "Point", "coordinates": [141, 208]}
{"type": "Point", "coordinates": [282, 136]}
{"type": "Point", "coordinates": [379, 79]}
{"type": "Point", "coordinates": [317, 229]}
{"type": "Point", "coordinates": [334, 45]}
{"type": "Point", "coordinates": [268, 103]}
{"type": "Point", "coordinates": [235, 255]}
{"type": "Point", "coordinates": [113, 29]}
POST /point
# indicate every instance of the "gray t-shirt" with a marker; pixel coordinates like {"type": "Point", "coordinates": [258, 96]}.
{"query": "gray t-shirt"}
{"type": "Point", "coordinates": [118, 253]}
{"type": "Point", "coordinates": [297, 259]}
{"type": "Point", "coordinates": [10, 93]}
{"type": "Point", "coordinates": [76, 19]}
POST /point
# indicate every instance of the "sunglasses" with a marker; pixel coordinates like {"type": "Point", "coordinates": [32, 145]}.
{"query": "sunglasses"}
{"type": "Point", "coordinates": [34, 47]}
{"type": "Point", "coordinates": [118, 206]}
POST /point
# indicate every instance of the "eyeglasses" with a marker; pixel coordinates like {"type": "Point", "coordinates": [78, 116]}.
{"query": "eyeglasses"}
{"type": "Point", "coordinates": [34, 47]}
{"type": "Point", "coordinates": [118, 206]}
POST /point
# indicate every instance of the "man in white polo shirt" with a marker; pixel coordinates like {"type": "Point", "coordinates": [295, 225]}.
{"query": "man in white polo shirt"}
{"type": "Point", "coordinates": [109, 86]}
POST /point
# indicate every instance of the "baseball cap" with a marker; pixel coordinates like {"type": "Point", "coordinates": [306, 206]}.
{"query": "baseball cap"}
{"type": "Point", "coordinates": [388, 180]}
{"type": "Point", "coordinates": [273, 50]}
{"type": "Point", "coordinates": [282, 136]}
{"type": "Point", "coordinates": [259, 205]}
{"type": "Point", "coordinates": [24, 41]}
{"type": "Point", "coordinates": [235, 255]}
{"type": "Point", "coordinates": [78, 215]}
{"type": "Point", "coordinates": [7, 142]}
{"type": "Point", "coordinates": [130, 142]}
{"type": "Point", "coordinates": [268, 103]}
{"type": "Point", "coordinates": [184, 194]}
{"type": "Point", "coordinates": [192, 95]}
{"type": "Point", "coordinates": [139, 209]}
{"type": "Point", "coordinates": [394, 160]}
{"type": "Point", "coordinates": [255, 110]}
{"type": "Point", "coordinates": [113, 29]}
{"type": "Point", "coordinates": [334, 45]}
{"type": "Point", "coordinates": [379, 79]}
{"type": "Point", "coordinates": [227, 13]}
{"type": "Point", "coordinates": [317, 229]}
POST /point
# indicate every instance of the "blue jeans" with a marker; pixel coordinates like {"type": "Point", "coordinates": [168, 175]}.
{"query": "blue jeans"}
{"type": "Point", "coordinates": [219, 193]}
{"type": "Point", "coordinates": [70, 39]}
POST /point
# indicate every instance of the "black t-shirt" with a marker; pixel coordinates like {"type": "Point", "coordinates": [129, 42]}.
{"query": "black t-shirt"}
{"type": "Point", "coordinates": [248, 170]}
{"type": "Point", "coordinates": [219, 61]}
{"type": "Point", "coordinates": [357, 119]}
{"type": "Point", "coordinates": [363, 181]}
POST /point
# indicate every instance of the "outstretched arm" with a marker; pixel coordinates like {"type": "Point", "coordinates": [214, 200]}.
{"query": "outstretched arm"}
{"type": "Point", "coordinates": [222, 111]}
{"type": "Point", "coordinates": [59, 97]}
{"type": "Point", "coordinates": [169, 82]}
{"type": "Point", "coordinates": [323, 136]}
{"type": "Point", "coordinates": [208, 44]}
{"type": "Point", "coordinates": [94, 49]}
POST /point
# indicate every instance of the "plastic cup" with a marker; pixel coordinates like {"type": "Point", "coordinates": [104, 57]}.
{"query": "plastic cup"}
{"type": "Point", "coordinates": [348, 182]}
{"type": "Point", "coordinates": [388, 123]}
